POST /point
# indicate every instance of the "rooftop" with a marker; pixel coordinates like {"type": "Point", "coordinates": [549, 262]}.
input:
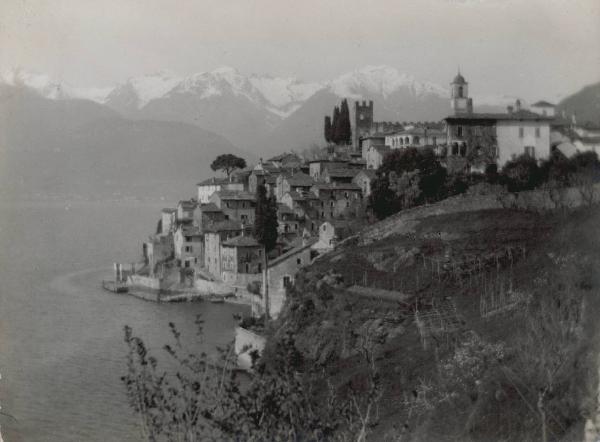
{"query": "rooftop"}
{"type": "Point", "coordinates": [342, 173]}
{"type": "Point", "coordinates": [521, 115]}
{"type": "Point", "coordinates": [292, 252]}
{"type": "Point", "coordinates": [242, 241]}
{"type": "Point", "coordinates": [169, 210]}
{"type": "Point", "coordinates": [299, 179]}
{"type": "Point", "coordinates": [209, 207]}
{"type": "Point", "coordinates": [235, 195]}
{"type": "Point", "coordinates": [224, 226]}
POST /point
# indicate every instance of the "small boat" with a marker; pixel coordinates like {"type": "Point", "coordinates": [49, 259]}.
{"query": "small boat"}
{"type": "Point", "coordinates": [115, 287]}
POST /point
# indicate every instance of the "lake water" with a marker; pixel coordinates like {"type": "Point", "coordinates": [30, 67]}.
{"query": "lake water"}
{"type": "Point", "coordinates": [61, 336]}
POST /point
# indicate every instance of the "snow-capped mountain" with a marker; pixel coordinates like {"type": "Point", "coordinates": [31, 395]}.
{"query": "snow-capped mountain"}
{"type": "Point", "coordinates": [381, 81]}
{"type": "Point", "coordinates": [261, 112]}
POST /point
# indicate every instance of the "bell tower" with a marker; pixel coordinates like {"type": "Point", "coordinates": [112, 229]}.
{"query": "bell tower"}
{"type": "Point", "coordinates": [459, 95]}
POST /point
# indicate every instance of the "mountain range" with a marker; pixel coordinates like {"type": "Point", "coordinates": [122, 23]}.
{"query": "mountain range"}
{"type": "Point", "coordinates": [147, 122]}
{"type": "Point", "coordinates": [261, 114]}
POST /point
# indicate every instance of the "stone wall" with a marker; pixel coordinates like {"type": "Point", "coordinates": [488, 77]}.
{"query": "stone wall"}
{"type": "Point", "coordinates": [205, 287]}
{"type": "Point", "coordinates": [145, 282]}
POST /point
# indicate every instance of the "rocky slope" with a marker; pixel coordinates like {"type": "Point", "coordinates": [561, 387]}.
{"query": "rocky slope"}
{"type": "Point", "coordinates": [459, 287]}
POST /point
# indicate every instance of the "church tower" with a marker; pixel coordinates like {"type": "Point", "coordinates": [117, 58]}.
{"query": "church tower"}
{"type": "Point", "coordinates": [459, 95]}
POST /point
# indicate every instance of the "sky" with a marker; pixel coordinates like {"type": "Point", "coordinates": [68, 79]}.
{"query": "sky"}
{"type": "Point", "coordinates": [529, 48]}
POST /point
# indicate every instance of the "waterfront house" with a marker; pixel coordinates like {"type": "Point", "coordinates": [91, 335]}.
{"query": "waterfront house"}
{"type": "Point", "coordinates": [185, 211]}
{"type": "Point", "coordinates": [157, 251]}
{"type": "Point", "coordinates": [281, 274]}
{"type": "Point", "coordinates": [241, 260]}
{"type": "Point", "coordinates": [167, 221]}
{"type": "Point", "coordinates": [214, 235]}
{"type": "Point", "coordinates": [188, 243]}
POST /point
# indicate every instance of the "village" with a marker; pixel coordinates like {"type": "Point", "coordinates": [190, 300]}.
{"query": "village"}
{"type": "Point", "coordinates": [205, 248]}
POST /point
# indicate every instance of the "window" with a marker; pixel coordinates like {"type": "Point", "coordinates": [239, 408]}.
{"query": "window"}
{"type": "Point", "coordinates": [537, 132]}
{"type": "Point", "coordinates": [460, 92]}
{"type": "Point", "coordinates": [454, 148]}
{"type": "Point", "coordinates": [530, 151]}
{"type": "Point", "coordinates": [298, 261]}
{"type": "Point", "coordinates": [521, 132]}
{"type": "Point", "coordinates": [415, 140]}
{"type": "Point", "coordinates": [434, 141]}
{"type": "Point", "coordinates": [287, 281]}
{"type": "Point", "coordinates": [459, 131]}
{"type": "Point", "coordinates": [347, 203]}
{"type": "Point", "coordinates": [188, 249]}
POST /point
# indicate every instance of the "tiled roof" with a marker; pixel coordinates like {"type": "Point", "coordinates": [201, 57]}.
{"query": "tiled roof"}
{"type": "Point", "coordinates": [235, 195]}
{"type": "Point", "coordinates": [514, 116]}
{"type": "Point", "coordinates": [342, 173]}
{"type": "Point", "coordinates": [299, 179]}
{"type": "Point", "coordinates": [370, 173]}
{"type": "Point", "coordinates": [337, 186]}
{"type": "Point", "coordinates": [209, 207]}
{"type": "Point", "coordinates": [242, 241]}
{"type": "Point", "coordinates": [223, 226]}
{"type": "Point", "coordinates": [168, 210]}
{"type": "Point", "coordinates": [291, 253]}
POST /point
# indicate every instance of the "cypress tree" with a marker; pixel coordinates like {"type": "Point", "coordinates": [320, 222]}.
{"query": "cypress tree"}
{"type": "Point", "coordinates": [335, 125]}
{"type": "Point", "coordinates": [328, 129]}
{"type": "Point", "coordinates": [345, 129]}
{"type": "Point", "coordinates": [265, 231]}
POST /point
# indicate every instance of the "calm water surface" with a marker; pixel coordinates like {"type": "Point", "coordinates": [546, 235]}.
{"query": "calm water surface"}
{"type": "Point", "coordinates": [61, 337]}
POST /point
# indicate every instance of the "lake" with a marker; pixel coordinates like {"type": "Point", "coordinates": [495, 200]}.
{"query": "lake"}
{"type": "Point", "coordinates": [61, 336]}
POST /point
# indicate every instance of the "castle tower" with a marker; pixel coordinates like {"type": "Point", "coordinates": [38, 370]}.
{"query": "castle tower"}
{"type": "Point", "coordinates": [363, 121]}
{"type": "Point", "coordinates": [459, 95]}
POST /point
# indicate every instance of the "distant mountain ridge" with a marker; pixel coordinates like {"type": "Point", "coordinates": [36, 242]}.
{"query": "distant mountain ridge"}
{"type": "Point", "coordinates": [78, 148]}
{"type": "Point", "coordinates": [584, 105]}
{"type": "Point", "coordinates": [261, 113]}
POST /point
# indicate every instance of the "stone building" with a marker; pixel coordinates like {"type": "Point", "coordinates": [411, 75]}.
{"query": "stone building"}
{"type": "Point", "coordinates": [188, 243]}
{"type": "Point", "coordinates": [167, 221]}
{"type": "Point", "coordinates": [292, 182]}
{"type": "Point", "coordinates": [375, 156]}
{"type": "Point", "coordinates": [241, 256]}
{"type": "Point", "coordinates": [238, 206]}
{"type": "Point", "coordinates": [363, 179]}
{"type": "Point", "coordinates": [281, 275]}
{"type": "Point", "coordinates": [416, 137]}
{"type": "Point", "coordinates": [330, 233]}
{"type": "Point", "coordinates": [214, 236]}
{"type": "Point", "coordinates": [206, 214]}
{"type": "Point", "coordinates": [339, 176]}
{"type": "Point", "coordinates": [318, 167]}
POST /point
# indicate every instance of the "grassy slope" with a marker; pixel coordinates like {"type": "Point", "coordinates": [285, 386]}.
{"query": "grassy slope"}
{"type": "Point", "coordinates": [330, 323]}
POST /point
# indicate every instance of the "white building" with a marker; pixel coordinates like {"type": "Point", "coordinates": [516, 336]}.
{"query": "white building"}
{"type": "Point", "coordinates": [207, 187]}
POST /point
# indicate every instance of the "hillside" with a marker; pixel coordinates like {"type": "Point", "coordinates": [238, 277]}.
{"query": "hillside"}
{"type": "Point", "coordinates": [78, 148]}
{"type": "Point", "coordinates": [456, 357]}
{"type": "Point", "coordinates": [585, 105]}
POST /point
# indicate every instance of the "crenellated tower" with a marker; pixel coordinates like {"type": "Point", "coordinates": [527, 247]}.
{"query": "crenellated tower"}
{"type": "Point", "coordinates": [363, 121]}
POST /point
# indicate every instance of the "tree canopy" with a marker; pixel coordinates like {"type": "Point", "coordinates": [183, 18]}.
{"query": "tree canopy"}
{"type": "Point", "coordinates": [265, 220]}
{"type": "Point", "coordinates": [228, 163]}
{"type": "Point", "coordinates": [338, 129]}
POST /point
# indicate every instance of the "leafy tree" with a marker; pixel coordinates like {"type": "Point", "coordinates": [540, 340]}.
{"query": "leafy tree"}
{"type": "Point", "coordinates": [382, 200]}
{"type": "Point", "coordinates": [265, 230]}
{"type": "Point", "coordinates": [228, 163]}
{"type": "Point", "coordinates": [202, 399]}
{"type": "Point", "coordinates": [522, 173]}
